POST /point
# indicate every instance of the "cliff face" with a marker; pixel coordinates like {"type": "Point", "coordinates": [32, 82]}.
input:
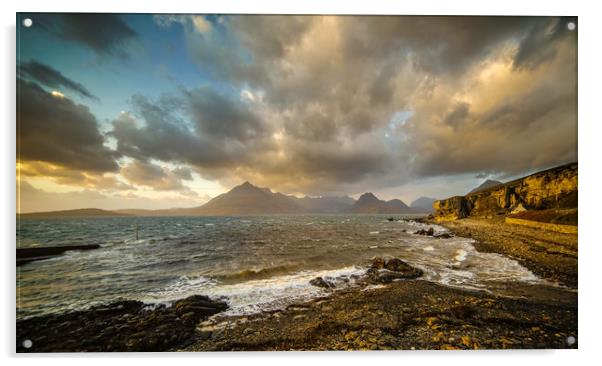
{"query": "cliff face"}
{"type": "Point", "coordinates": [553, 188]}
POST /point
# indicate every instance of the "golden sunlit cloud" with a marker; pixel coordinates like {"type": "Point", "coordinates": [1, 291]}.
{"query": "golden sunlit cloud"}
{"type": "Point", "coordinates": [201, 24]}
{"type": "Point", "coordinates": [57, 94]}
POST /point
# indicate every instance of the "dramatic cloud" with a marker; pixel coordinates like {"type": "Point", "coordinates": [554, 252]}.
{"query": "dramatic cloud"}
{"type": "Point", "coordinates": [336, 104]}
{"type": "Point", "coordinates": [218, 132]}
{"type": "Point", "coordinates": [52, 78]}
{"type": "Point", "coordinates": [301, 104]}
{"type": "Point", "coordinates": [55, 130]}
{"type": "Point", "coordinates": [147, 174]}
{"type": "Point", "coordinates": [106, 34]}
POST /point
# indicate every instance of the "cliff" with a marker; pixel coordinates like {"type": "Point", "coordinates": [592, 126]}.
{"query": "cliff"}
{"type": "Point", "coordinates": [552, 188]}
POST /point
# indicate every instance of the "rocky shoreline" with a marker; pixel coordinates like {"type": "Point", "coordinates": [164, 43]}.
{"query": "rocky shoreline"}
{"type": "Point", "coordinates": [403, 315]}
{"type": "Point", "coordinates": [550, 255]}
{"type": "Point", "coordinates": [408, 313]}
{"type": "Point", "coordinates": [391, 308]}
{"type": "Point", "coordinates": [123, 326]}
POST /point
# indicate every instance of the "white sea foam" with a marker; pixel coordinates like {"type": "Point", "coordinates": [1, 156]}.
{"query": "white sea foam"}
{"type": "Point", "coordinates": [460, 255]}
{"type": "Point", "coordinates": [438, 229]}
{"type": "Point", "coordinates": [258, 295]}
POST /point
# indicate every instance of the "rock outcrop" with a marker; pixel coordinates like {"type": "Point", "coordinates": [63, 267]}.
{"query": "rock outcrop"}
{"type": "Point", "coordinates": [552, 188]}
{"type": "Point", "coordinates": [123, 326]}
{"type": "Point", "coordinates": [389, 270]}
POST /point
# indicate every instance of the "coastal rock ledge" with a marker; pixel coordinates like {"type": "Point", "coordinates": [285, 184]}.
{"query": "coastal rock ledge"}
{"type": "Point", "coordinates": [123, 326]}
{"type": "Point", "coordinates": [554, 188]}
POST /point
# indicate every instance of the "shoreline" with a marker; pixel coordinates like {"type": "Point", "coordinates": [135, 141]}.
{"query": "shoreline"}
{"type": "Point", "coordinates": [550, 255]}
{"type": "Point", "coordinates": [417, 314]}
{"type": "Point", "coordinates": [403, 314]}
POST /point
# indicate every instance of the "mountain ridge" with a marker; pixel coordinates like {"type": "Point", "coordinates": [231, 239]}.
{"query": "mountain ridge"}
{"type": "Point", "coordinates": [368, 203]}
{"type": "Point", "coordinates": [423, 204]}
{"type": "Point", "coordinates": [248, 199]}
{"type": "Point", "coordinates": [78, 212]}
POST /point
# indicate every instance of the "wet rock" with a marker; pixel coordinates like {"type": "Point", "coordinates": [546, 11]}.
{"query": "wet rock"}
{"type": "Point", "coordinates": [444, 236]}
{"type": "Point", "coordinates": [378, 263]}
{"type": "Point", "coordinates": [397, 265]}
{"type": "Point", "coordinates": [387, 271]}
{"type": "Point", "coordinates": [320, 282]}
{"type": "Point", "coordinates": [385, 276]}
{"type": "Point", "coordinates": [429, 232]}
{"type": "Point", "coordinates": [200, 303]}
{"type": "Point", "coordinates": [121, 326]}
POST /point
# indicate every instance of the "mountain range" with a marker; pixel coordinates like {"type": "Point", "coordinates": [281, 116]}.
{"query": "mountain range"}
{"type": "Point", "coordinates": [368, 203]}
{"type": "Point", "coordinates": [247, 199]}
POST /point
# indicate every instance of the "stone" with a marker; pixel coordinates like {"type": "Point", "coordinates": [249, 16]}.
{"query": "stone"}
{"type": "Point", "coordinates": [378, 263]}
{"type": "Point", "coordinates": [429, 232]}
{"type": "Point", "coordinates": [320, 282]}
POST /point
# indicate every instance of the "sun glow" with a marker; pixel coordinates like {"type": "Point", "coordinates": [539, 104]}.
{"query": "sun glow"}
{"type": "Point", "coordinates": [57, 94]}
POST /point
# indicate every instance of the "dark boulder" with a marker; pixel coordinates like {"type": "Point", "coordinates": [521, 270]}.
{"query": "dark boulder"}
{"type": "Point", "coordinates": [386, 271]}
{"type": "Point", "coordinates": [429, 232]}
{"type": "Point", "coordinates": [320, 282]}
{"type": "Point", "coordinates": [385, 276]}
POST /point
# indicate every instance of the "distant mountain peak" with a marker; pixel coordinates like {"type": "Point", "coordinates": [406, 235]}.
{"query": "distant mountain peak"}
{"type": "Point", "coordinates": [423, 204]}
{"type": "Point", "coordinates": [368, 196]}
{"type": "Point", "coordinates": [368, 203]}
{"type": "Point", "coordinates": [485, 185]}
{"type": "Point", "coordinates": [246, 186]}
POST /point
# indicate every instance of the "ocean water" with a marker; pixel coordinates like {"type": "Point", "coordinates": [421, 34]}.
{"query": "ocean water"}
{"type": "Point", "coordinates": [254, 263]}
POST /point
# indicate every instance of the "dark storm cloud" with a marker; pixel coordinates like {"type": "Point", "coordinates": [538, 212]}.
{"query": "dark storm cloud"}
{"type": "Point", "coordinates": [52, 78]}
{"type": "Point", "coordinates": [183, 173]}
{"type": "Point", "coordinates": [106, 34]}
{"type": "Point", "coordinates": [55, 130]}
{"type": "Point", "coordinates": [438, 44]}
{"type": "Point", "coordinates": [221, 117]}
{"type": "Point", "coordinates": [220, 138]}
{"type": "Point", "coordinates": [217, 131]}
{"type": "Point", "coordinates": [319, 96]}
{"type": "Point", "coordinates": [539, 44]}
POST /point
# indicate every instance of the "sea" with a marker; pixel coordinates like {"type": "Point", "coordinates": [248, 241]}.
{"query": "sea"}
{"type": "Point", "coordinates": [255, 264]}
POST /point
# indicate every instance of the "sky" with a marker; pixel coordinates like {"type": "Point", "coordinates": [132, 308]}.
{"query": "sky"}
{"type": "Point", "coordinates": [158, 111]}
